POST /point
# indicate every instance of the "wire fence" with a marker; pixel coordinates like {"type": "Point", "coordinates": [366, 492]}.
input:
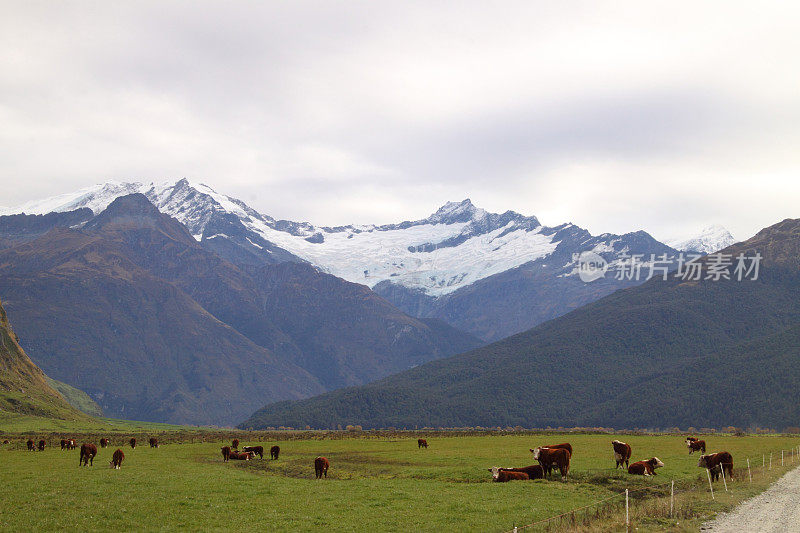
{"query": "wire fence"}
{"type": "Point", "coordinates": [662, 500]}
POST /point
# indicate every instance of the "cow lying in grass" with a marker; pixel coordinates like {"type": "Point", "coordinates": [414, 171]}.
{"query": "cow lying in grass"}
{"type": "Point", "coordinates": [502, 475]}
{"type": "Point", "coordinates": [533, 471]}
{"type": "Point", "coordinates": [255, 450]}
{"type": "Point", "coordinates": [240, 456]}
{"type": "Point", "coordinates": [714, 461]}
{"type": "Point", "coordinates": [645, 468]}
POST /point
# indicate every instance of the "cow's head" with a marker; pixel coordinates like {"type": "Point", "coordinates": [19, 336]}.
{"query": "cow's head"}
{"type": "Point", "coordinates": [495, 470]}
{"type": "Point", "coordinates": [703, 462]}
{"type": "Point", "coordinates": [655, 462]}
{"type": "Point", "coordinates": [536, 452]}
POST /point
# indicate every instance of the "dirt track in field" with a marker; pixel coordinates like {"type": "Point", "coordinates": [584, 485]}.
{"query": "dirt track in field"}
{"type": "Point", "coordinates": [775, 510]}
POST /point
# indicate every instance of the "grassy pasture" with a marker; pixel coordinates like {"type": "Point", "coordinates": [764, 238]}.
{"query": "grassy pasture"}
{"type": "Point", "coordinates": [379, 483]}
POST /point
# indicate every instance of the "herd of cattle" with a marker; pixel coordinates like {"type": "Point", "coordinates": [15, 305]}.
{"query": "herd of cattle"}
{"type": "Point", "coordinates": [88, 450]}
{"type": "Point", "coordinates": [558, 456]}
{"type": "Point", "coordinates": [321, 464]}
{"type": "Point", "coordinates": [550, 458]}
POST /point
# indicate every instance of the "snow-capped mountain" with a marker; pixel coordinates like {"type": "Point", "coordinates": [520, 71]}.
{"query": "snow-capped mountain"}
{"type": "Point", "coordinates": [710, 239]}
{"type": "Point", "coordinates": [454, 265]}
{"type": "Point", "coordinates": [454, 247]}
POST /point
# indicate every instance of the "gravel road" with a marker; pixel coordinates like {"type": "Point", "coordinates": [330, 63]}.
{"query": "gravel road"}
{"type": "Point", "coordinates": [775, 510]}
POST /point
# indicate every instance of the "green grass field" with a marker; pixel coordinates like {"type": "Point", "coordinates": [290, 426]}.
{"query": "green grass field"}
{"type": "Point", "coordinates": [379, 483]}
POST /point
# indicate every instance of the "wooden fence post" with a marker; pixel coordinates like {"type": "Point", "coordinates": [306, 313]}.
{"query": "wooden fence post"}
{"type": "Point", "coordinates": [749, 474]}
{"type": "Point", "coordinates": [672, 499]}
{"type": "Point", "coordinates": [627, 514]}
{"type": "Point", "coordinates": [722, 468]}
{"type": "Point", "coordinates": [781, 457]}
{"type": "Point", "coordinates": [708, 473]}
{"type": "Point", "coordinates": [770, 461]}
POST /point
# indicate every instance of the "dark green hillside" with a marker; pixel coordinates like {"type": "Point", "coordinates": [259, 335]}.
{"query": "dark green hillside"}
{"type": "Point", "coordinates": [23, 386]}
{"type": "Point", "coordinates": [628, 360]}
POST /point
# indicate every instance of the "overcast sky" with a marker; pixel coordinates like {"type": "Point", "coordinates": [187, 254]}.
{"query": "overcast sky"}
{"type": "Point", "coordinates": [664, 116]}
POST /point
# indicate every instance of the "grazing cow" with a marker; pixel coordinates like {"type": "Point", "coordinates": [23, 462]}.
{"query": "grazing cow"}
{"type": "Point", "coordinates": [551, 458]}
{"type": "Point", "coordinates": [422, 443]}
{"type": "Point", "coordinates": [240, 456]}
{"type": "Point", "coordinates": [63, 444]}
{"type": "Point", "coordinates": [714, 461]}
{"type": "Point", "coordinates": [695, 445]}
{"type": "Point", "coordinates": [533, 471]}
{"type": "Point", "coordinates": [274, 452]}
{"type": "Point", "coordinates": [31, 446]}
{"type": "Point", "coordinates": [42, 444]}
{"type": "Point", "coordinates": [255, 450]}
{"type": "Point", "coordinates": [71, 444]}
{"type": "Point", "coordinates": [235, 444]}
{"type": "Point", "coordinates": [501, 475]}
{"type": "Point", "coordinates": [321, 466]}
{"type": "Point", "coordinates": [622, 453]}
{"type": "Point", "coordinates": [88, 451]}
{"type": "Point", "coordinates": [226, 453]}
{"type": "Point", "coordinates": [103, 442]}
{"type": "Point", "coordinates": [645, 468]}
{"type": "Point", "coordinates": [132, 442]}
{"type": "Point", "coordinates": [153, 442]}
{"type": "Point", "coordinates": [116, 459]}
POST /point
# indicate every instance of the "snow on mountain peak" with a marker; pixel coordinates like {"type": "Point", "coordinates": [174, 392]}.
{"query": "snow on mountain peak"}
{"type": "Point", "coordinates": [709, 240]}
{"type": "Point", "coordinates": [454, 212]}
{"type": "Point", "coordinates": [456, 246]}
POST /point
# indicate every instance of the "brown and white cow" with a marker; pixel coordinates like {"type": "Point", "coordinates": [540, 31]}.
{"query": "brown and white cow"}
{"type": "Point", "coordinates": [274, 452]}
{"type": "Point", "coordinates": [103, 442]}
{"type": "Point", "coordinates": [551, 458]}
{"type": "Point", "coordinates": [63, 444]}
{"type": "Point", "coordinates": [622, 453]}
{"type": "Point", "coordinates": [533, 471]}
{"type": "Point", "coordinates": [31, 445]}
{"type": "Point", "coordinates": [645, 468]}
{"type": "Point", "coordinates": [695, 445]}
{"type": "Point", "coordinates": [153, 442]}
{"type": "Point", "coordinates": [42, 444]}
{"type": "Point", "coordinates": [226, 453]}
{"type": "Point", "coordinates": [501, 475]}
{"type": "Point", "coordinates": [255, 450]}
{"type": "Point", "coordinates": [88, 452]}
{"type": "Point", "coordinates": [422, 443]}
{"type": "Point", "coordinates": [321, 466]}
{"type": "Point", "coordinates": [240, 456]}
{"type": "Point", "coordinates": [116, 459]}
{"type": "Point", "coordinates": [132, 442]}
{"type": "Point", "coordinates": [716, 461]}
